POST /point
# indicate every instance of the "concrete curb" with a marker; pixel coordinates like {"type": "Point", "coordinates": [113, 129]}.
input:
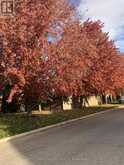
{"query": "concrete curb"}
{"type": "Point", "coordinates": [55, 125]}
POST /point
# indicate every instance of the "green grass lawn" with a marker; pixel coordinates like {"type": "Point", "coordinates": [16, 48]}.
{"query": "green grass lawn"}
{"type": "Point", "coordinates": [12, 124]}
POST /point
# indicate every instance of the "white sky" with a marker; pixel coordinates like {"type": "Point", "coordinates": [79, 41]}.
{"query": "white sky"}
{"type": "Point", "coordinates": [111, 12]}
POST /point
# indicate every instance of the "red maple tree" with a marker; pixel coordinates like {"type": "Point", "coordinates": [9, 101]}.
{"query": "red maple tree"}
{"type": "Point", "coordinates": [24, 40]}
{"type": "Point", "coordinates": [82, 60]}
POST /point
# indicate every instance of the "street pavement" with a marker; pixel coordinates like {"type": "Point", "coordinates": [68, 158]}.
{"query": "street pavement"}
{"type": "Point", "coordinates": [98, 140]}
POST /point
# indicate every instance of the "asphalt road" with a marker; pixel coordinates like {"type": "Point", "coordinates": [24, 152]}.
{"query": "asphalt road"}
{"type": "Point", "coordinates": [98, 140]}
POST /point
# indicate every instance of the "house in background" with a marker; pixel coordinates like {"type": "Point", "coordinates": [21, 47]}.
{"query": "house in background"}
{"type": "Point", "coordinates": [86, 102]}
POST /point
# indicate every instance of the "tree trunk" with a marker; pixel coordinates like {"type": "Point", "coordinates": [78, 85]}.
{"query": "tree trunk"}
{"type": "Point", "coordinates": [61, 103]}
{"type": "Point", "coordinates": [40, 108]}
{"type": "Point", "coordinates": [81, 102]}
{"type": "Point", "coordinates": [4, 105]}
{"type": "Point", "coordinates": [75, 102]}
{"type": "Point", "coordinates": [103, 99]}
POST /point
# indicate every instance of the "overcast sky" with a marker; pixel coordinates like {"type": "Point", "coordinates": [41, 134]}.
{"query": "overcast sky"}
{"type": "Point", "coordinates": [111, 12]}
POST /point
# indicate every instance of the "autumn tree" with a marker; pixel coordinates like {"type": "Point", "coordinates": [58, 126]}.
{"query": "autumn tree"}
{"type": "Point", "coordinates": [73, 54]}
{"type": "Point", "coordinates": [119, 83]}
{"type": "Point", "coordinates": [24, 39]}
{"type": "Point", "coordinates": [103, 76]}
{"type": "Point", "coordinates": [81, 59]}
{"type": "Point", "coordinates": [86, 61]}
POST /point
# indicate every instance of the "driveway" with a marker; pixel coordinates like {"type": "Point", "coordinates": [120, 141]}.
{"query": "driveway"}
{"type": "Point", "coordinates": [97, 140]}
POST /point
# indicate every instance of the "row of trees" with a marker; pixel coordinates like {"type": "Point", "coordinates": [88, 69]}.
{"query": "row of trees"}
{"type": "Point", "coordinates": [80, 60]}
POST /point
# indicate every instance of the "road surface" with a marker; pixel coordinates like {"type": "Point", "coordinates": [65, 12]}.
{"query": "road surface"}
{"type": "Point", "coordinates": [98, 140]}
